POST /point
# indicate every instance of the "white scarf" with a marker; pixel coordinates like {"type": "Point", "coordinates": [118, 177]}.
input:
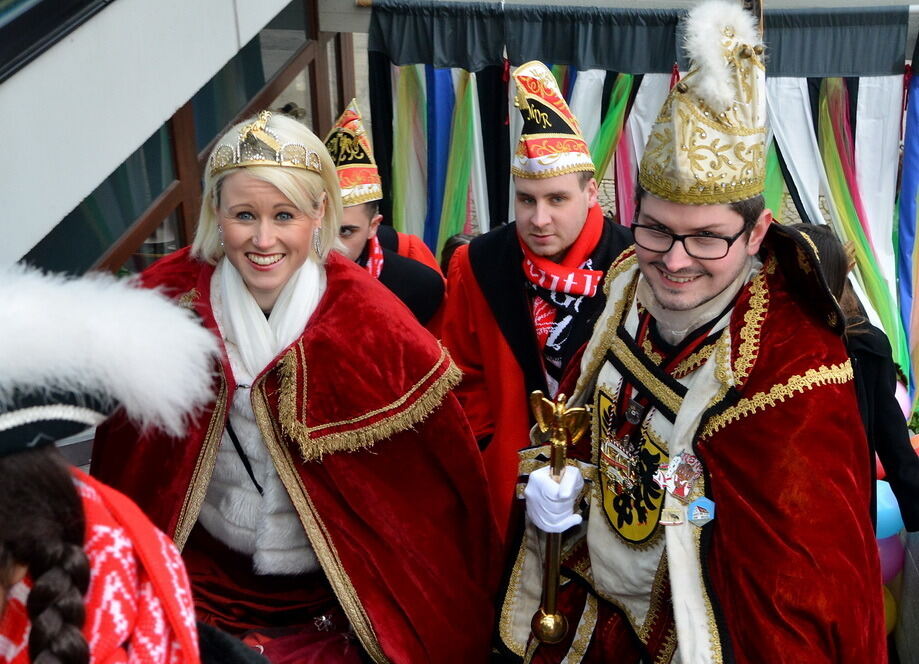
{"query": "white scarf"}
{"type": "Point", "coordinates": [258, 339]}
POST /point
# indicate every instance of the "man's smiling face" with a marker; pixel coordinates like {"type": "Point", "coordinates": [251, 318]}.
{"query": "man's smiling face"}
{"type": "Point", "coordinates": [679, 281]}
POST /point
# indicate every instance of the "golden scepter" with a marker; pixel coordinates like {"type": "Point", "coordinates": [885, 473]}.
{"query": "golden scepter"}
{"type": "Point", "coordinates": [565, 426]}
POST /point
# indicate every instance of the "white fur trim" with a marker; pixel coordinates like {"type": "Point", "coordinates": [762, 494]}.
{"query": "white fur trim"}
{"type": "Point", "coordinates": [105, 337]}
{"type": "Point", "coordinates": [705, 43]}
{"type": "Point", "coordinates": [264, 526]}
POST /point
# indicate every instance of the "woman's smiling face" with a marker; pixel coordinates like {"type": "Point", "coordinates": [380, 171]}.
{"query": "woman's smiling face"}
{"type": "Point", "coordinates": [265, 236]}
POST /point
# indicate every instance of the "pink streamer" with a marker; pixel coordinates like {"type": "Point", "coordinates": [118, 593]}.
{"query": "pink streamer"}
{"type": "Point", "coordinates": [625, 179]}
{"type": "Point", "coordinates": [837, 96]}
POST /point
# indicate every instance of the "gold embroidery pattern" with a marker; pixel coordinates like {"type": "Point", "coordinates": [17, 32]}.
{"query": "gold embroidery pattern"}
{"type": "Point", "coordinates": [652, 354]}
{"type": "Point", "coordinates": [657, 598]}
{"type": "Point", "coordinates": [693, 362]}
{"type": "Point", "coordinates": [714, 635]}
{"type": "Point", "coordinates": [722, 368]}
{"type": "Point", "coordinates": [669, 647]}
{"type": "Point", "coordinates": [703, 149]}
{"type": "Point", "coordinates": [836, 374]}
{"type": "Point", "coordinates": [653, 436]}
{"type": "Point", "coordinates": [316, 531]}
{"type": "Point", "coordinates": [358, 198]}
{"type": "Point", "coordinates": [550, 173]}
{"type": "Point", "coordinates": [644, 377]}
{"type": "Point", "coordinates": [512, 596]}
{"type": "Point", "coordinates": [723, 359]}
{"type": "Point", "coordinates": [729, 118]}
{"type": "Point", "coordinates": [625, 261]}
{"type": "Point", "coordinates": [530, 651]}
{"type": "Point", "coordinates": [584, 632]}
{"type": "Point", "coordinates": [313, 447]}
{"type": "Point", "coordinates": [753, 322]}
{"type": "Point", "coordinates": [803, 260]}
{"type": "Point", "coordinates": [813, 246]}
{"type": "Point", "coordinates": [187, 300]}
{"type": "Point", "coordinates": [204, 467]}
{"type": "Point", "coordinates": [609, 332]}
{"type": "Point", "coordinates": [583, 569]}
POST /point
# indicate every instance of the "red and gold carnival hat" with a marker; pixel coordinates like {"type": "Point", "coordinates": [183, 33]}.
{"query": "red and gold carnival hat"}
{"type": "Point", "coordinates": [353, 158]}
{"type": "Point", "coordinates": [551, 142]}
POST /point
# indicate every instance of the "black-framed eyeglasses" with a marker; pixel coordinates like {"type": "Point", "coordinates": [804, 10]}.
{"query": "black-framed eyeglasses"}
{"type": "Point", "coordinates": [704, 247]}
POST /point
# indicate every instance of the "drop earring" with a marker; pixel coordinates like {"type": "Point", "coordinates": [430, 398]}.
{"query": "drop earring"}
{"type": "Point", "coordinates": [220, 236]}
{"type": "Point", "coordinates": [317, 242]}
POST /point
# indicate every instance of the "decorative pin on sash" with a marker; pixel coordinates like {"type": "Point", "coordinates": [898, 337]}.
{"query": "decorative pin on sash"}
{"type": "Point", "coordinates": [700, 511]}
{"type": "Point", "coordinates": [634, 413]}
{"type": "Point", "coordinates": [679, 475]}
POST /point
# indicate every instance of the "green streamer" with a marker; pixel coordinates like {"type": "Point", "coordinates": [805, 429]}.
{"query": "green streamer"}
{"type": "Point", "coordinates": [559, 72]}
{"type": "Point", "coordinates": [606, 140]}
{"type": "Point", "coordinates": [868, 270]}
{"type": "Point", "coordinates": [459, 164]}
{"type": "Point", "coordinates": [775, 184]}
{"type": "Point", "coordinates": [410, 106]}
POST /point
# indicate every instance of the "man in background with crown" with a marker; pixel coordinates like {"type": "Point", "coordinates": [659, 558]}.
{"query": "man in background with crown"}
{"type": "Point", "coordinates": [523, 298]}
{"type": "Point", "coordinates": [725, 485]}
{"type": "Point", "coordinates": [416, 281]}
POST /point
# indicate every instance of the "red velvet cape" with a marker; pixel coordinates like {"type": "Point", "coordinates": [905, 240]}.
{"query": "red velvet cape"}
{"type": "Point", "coordinates": [376, 455]}
{"type": "Point", "coordinates": [493, 392]}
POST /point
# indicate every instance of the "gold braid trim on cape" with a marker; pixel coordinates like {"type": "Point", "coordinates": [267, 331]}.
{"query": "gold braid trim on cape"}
{"type": "Point", "coordinates": [422, 398]}
{"type": "Point", "coordinates": [835, 374]}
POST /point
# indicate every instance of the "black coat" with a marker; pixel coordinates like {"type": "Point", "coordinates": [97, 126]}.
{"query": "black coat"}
{"type": "Point", "coordinates": [885, 426]}
{"type": "Point", "coordinates": [419, 287]}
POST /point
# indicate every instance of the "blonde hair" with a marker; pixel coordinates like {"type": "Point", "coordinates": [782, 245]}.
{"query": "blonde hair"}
{"type": "Point", "coordinates": [305, 189]}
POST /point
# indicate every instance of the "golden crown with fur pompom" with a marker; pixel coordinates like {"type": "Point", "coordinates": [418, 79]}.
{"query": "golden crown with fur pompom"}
{"type": "Point", "coordinates": [257, 146]}
{"type": "Point", "coordinates": [707, 146]}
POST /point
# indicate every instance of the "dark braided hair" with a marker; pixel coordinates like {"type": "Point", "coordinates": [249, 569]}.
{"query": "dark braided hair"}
{"type": "Point", "coordinates": [43, 529]}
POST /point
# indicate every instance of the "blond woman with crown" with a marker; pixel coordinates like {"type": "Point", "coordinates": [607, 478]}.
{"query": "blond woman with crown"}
{"type": "Point", "coordinates": [330, 489]}
{"type": "Point", "coordinates": [721, 509]}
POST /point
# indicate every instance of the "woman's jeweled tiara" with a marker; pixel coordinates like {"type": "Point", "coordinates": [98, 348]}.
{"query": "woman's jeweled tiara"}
{"type": "Point", "coordinates": [256, 146]}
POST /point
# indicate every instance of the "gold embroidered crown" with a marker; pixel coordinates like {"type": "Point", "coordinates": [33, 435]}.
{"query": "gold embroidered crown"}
{"type": "Point", "coordinates": [257, 146]}
{"type": "Point", "coordinates": [707, 146]}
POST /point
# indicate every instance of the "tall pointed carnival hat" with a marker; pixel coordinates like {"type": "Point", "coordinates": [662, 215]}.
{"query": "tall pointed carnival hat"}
{"type": "Point", "coordinates": [353, 157]}
{"type": "Point", "coordinates": [551, 142]}
{"type": "Point", "coordinates": [708, 143]}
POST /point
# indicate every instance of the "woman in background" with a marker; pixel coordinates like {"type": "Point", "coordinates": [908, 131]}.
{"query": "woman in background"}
{"type": "Point", "coordinates": [875, 381]}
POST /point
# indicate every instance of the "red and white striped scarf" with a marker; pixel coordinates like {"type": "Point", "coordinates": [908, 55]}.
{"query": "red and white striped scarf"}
{"type": "Point", "coordinates": [567, 277]}
{"type": "Point", "coordinates": [374, 257]}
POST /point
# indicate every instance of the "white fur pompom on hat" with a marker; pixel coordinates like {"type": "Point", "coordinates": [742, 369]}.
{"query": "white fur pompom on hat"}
{"type": "Point", "coordinates": [104, 339]}
{"type": "Point", "coordinates": [711, 28]}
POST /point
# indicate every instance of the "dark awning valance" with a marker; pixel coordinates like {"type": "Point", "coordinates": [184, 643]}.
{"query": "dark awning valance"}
{"type": "Point", "coordinates": [858, 41]}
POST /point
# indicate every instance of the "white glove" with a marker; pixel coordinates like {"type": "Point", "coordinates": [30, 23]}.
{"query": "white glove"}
{"type": "Point", "coordinates": [550, 504]}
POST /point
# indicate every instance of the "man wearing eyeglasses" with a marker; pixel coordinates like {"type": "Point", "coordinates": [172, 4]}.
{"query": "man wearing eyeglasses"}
{"type": "Point", "coordinates": [692, 255]}
{"type": "Point", "coordinates": [718, 509]}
